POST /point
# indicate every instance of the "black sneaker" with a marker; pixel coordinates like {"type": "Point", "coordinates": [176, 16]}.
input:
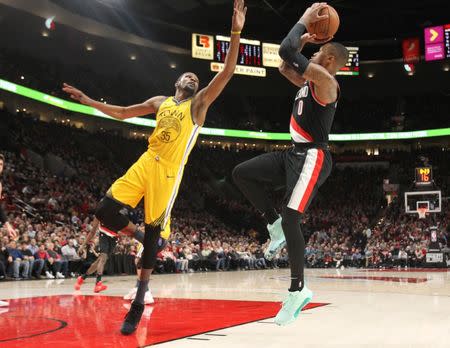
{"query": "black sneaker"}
{"type": "Point", "coordinates": [132, 318]}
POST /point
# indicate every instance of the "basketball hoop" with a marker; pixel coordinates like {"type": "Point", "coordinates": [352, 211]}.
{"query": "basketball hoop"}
{"type": "Point", "coordinates": [422, 212]}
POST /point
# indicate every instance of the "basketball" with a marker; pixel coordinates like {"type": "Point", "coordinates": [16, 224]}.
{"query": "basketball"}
{"type": "Point", "coordinates": [326, 27]}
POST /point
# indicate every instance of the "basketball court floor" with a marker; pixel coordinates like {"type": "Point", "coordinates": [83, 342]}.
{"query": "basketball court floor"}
{"type": "Point", "coordinates": [351, 308]}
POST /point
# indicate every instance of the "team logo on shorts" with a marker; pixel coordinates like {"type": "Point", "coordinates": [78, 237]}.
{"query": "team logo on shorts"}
{"type": "Point", "coordinates": [169, 129]}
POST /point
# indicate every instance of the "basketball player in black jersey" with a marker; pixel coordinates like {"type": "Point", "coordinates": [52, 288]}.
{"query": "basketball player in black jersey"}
{"type": "Point", "coordinates": [304, 167]}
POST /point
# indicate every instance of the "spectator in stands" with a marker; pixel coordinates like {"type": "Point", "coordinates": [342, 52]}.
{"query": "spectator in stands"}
{"type": "Point", "coordinates": [19, 263]}
{"type": "Point", "coordinates": [70, 254]}
{"type": "Point", "coordinates": [5, 260]}
{"type": "Point", "coordinates": [59, 265]}
{"type": "Point", "coordinates": [28, 256]}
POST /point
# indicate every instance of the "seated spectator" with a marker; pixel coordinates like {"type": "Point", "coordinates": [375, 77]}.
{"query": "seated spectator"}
{"type": "Point", "coordinates": [59, 265]}
{"type": "Point", "coordinates": [5, 260]}
{"type": "Point", "coordinates": [70, 254]}
{"type": "Point", "coordinates": [28, 257]}
{"type": "Point", "coordinates": [19, 263]}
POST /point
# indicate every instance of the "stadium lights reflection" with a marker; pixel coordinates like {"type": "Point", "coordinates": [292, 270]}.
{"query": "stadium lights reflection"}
{"type": "Point", "coordinates": [89, 47]}
{"type": "Point", "coordinates": [22, 77]}
{"type": "Point", "coordinates": [446, 68]}
{"type": "Point", "coordinates": [370, 75]}
{"type": "Point", "coordinates": [173, 65]}
{"type": "Point", "coordinates": [133, 57]}
{"type": "Point", "coordinates": [45, 33]}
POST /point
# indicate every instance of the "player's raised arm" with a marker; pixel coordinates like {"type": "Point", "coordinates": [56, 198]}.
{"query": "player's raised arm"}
{"type": "Point", "coordinates": [210, 93]}
{"type": "Point", "coordinates": [290, 49]}
{"type": "Point", "coordinates": [288, 71]}
{"type": "Point", "coordinates": [150, 106]}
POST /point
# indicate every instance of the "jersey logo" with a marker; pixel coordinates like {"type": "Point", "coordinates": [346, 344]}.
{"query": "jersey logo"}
{"type": "Point", "coordinates": [169, 129]}
{"type": "Point", "coordinates": [302, 93]}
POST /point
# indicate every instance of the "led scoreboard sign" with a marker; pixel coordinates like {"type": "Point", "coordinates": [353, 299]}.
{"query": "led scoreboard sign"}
{"type": "Point", "coordinates": [437, 42]}
{"type": "Point", "coordinates": [352, 66]}
{"type": "Point", "coordinates": [424, 176]}
{"type": "Point", "coordinates": [253, 57]}
{"type": "Point", "coordinates": [249, 59]}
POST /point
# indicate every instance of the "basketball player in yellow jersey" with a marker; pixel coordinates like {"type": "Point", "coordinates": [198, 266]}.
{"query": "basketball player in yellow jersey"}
{"type": "Point", "coordinates": [157, 174]}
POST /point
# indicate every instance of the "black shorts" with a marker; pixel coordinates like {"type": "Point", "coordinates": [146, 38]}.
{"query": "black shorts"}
{"type": "Point", "coordinates": [300, 171]}
{"type": "Point", "coordinates": [107, 244]}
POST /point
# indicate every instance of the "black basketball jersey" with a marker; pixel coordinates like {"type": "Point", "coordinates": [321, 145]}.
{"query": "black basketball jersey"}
{"type": "Point", "coordinates": [311, 120]}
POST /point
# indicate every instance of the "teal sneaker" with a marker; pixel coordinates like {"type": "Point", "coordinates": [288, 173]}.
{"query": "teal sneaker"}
{"type": "Point", "coordinates": [277, 239]}
{"type": "Point", "coordinates": [292, 306]}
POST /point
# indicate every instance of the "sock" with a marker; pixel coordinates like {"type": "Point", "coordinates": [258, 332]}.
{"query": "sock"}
{"type": "Point", "coordinates": [295, 246]}
{"type": "Point", "coordinates": [139, 235]}
{"type": "Point", "coordinates": [137, 284]}
{"type": "Point", "coordinates": [142, 289]}
{"type": "Point", "coordinates": [99, 278]}
{"type": "Point", "coordinates": [296, 284]}
{"type": "Point", "coordinates": [271, 216]}
{"type": "Point", "coordinates": [84, 276]}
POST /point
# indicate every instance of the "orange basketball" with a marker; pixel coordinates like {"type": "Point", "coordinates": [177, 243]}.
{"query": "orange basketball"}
{"type": "Point", "coordinates": [326, 27]}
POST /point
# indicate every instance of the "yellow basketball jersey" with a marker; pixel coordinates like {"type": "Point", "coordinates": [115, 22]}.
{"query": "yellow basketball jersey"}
{"type": "Point", "coordinates": [175, 133]}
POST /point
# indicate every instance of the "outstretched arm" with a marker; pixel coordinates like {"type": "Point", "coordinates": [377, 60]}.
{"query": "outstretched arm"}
{"type": "Point", "coordinates": [150, 106]}
{"type": "Point", "coordinates": [210, 93]}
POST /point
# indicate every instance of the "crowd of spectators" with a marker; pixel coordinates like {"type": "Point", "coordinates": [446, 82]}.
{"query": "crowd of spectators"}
{"type": "Point", "coordinates": [53, 179]}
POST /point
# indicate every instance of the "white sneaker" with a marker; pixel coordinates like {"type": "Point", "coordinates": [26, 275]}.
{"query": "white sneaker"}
{"type": "Point", "coordinates": [59, 275]}
{"type": "Point", "coordinates": [131, 295]}
{"type": "Point", "coordinates": [148, 298]}
{"type": "Point", "coordinates": [49, 275]}
{"type": "Point", "coordinates": [4, 304]}
{"type": "Point", "coordinates": [73, 275]}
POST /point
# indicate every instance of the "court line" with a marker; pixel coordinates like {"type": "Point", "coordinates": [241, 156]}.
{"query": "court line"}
{"type": "Point", "coordinates": [62, 323]}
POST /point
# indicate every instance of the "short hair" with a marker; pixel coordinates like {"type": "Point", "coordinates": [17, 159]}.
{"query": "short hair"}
{"type": "Point", "coordinates": [339, 51]}
{"type": "Point", "coordinates": [2, 158]}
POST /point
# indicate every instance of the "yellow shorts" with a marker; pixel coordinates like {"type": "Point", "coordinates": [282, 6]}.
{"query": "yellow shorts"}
{"type": "Point", "coordinates": [155, 180]}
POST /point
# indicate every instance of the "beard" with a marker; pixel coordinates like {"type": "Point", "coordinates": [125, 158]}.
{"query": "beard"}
{"type": "Point", "coordinates": [190, 90]}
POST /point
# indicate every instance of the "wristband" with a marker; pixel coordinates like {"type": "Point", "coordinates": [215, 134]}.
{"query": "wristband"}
{"type": "Point", "coordinates": [235, 32]}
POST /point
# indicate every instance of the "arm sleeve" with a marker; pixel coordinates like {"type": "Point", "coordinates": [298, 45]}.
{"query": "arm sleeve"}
{"type": "Point", "coordinates": [290, 49]}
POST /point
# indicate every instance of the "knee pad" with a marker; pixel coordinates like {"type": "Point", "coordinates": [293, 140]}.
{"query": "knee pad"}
{"type": "Point", "coordinates": [152, 235]}
{"type": "Point", "coordinates": [109, 214]}
{"type": "Point", "coordinates": [162, 243]}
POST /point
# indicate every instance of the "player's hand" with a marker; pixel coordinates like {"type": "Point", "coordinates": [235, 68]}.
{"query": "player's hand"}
{"type": "Point", "coordinates": [76, 94]}
{"type": "Point", "coordinates": [239, 12]}
{"type": "Point", "coordinates": [312, 15]}
{"type": "Point", "coordinates": [308, 38]}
